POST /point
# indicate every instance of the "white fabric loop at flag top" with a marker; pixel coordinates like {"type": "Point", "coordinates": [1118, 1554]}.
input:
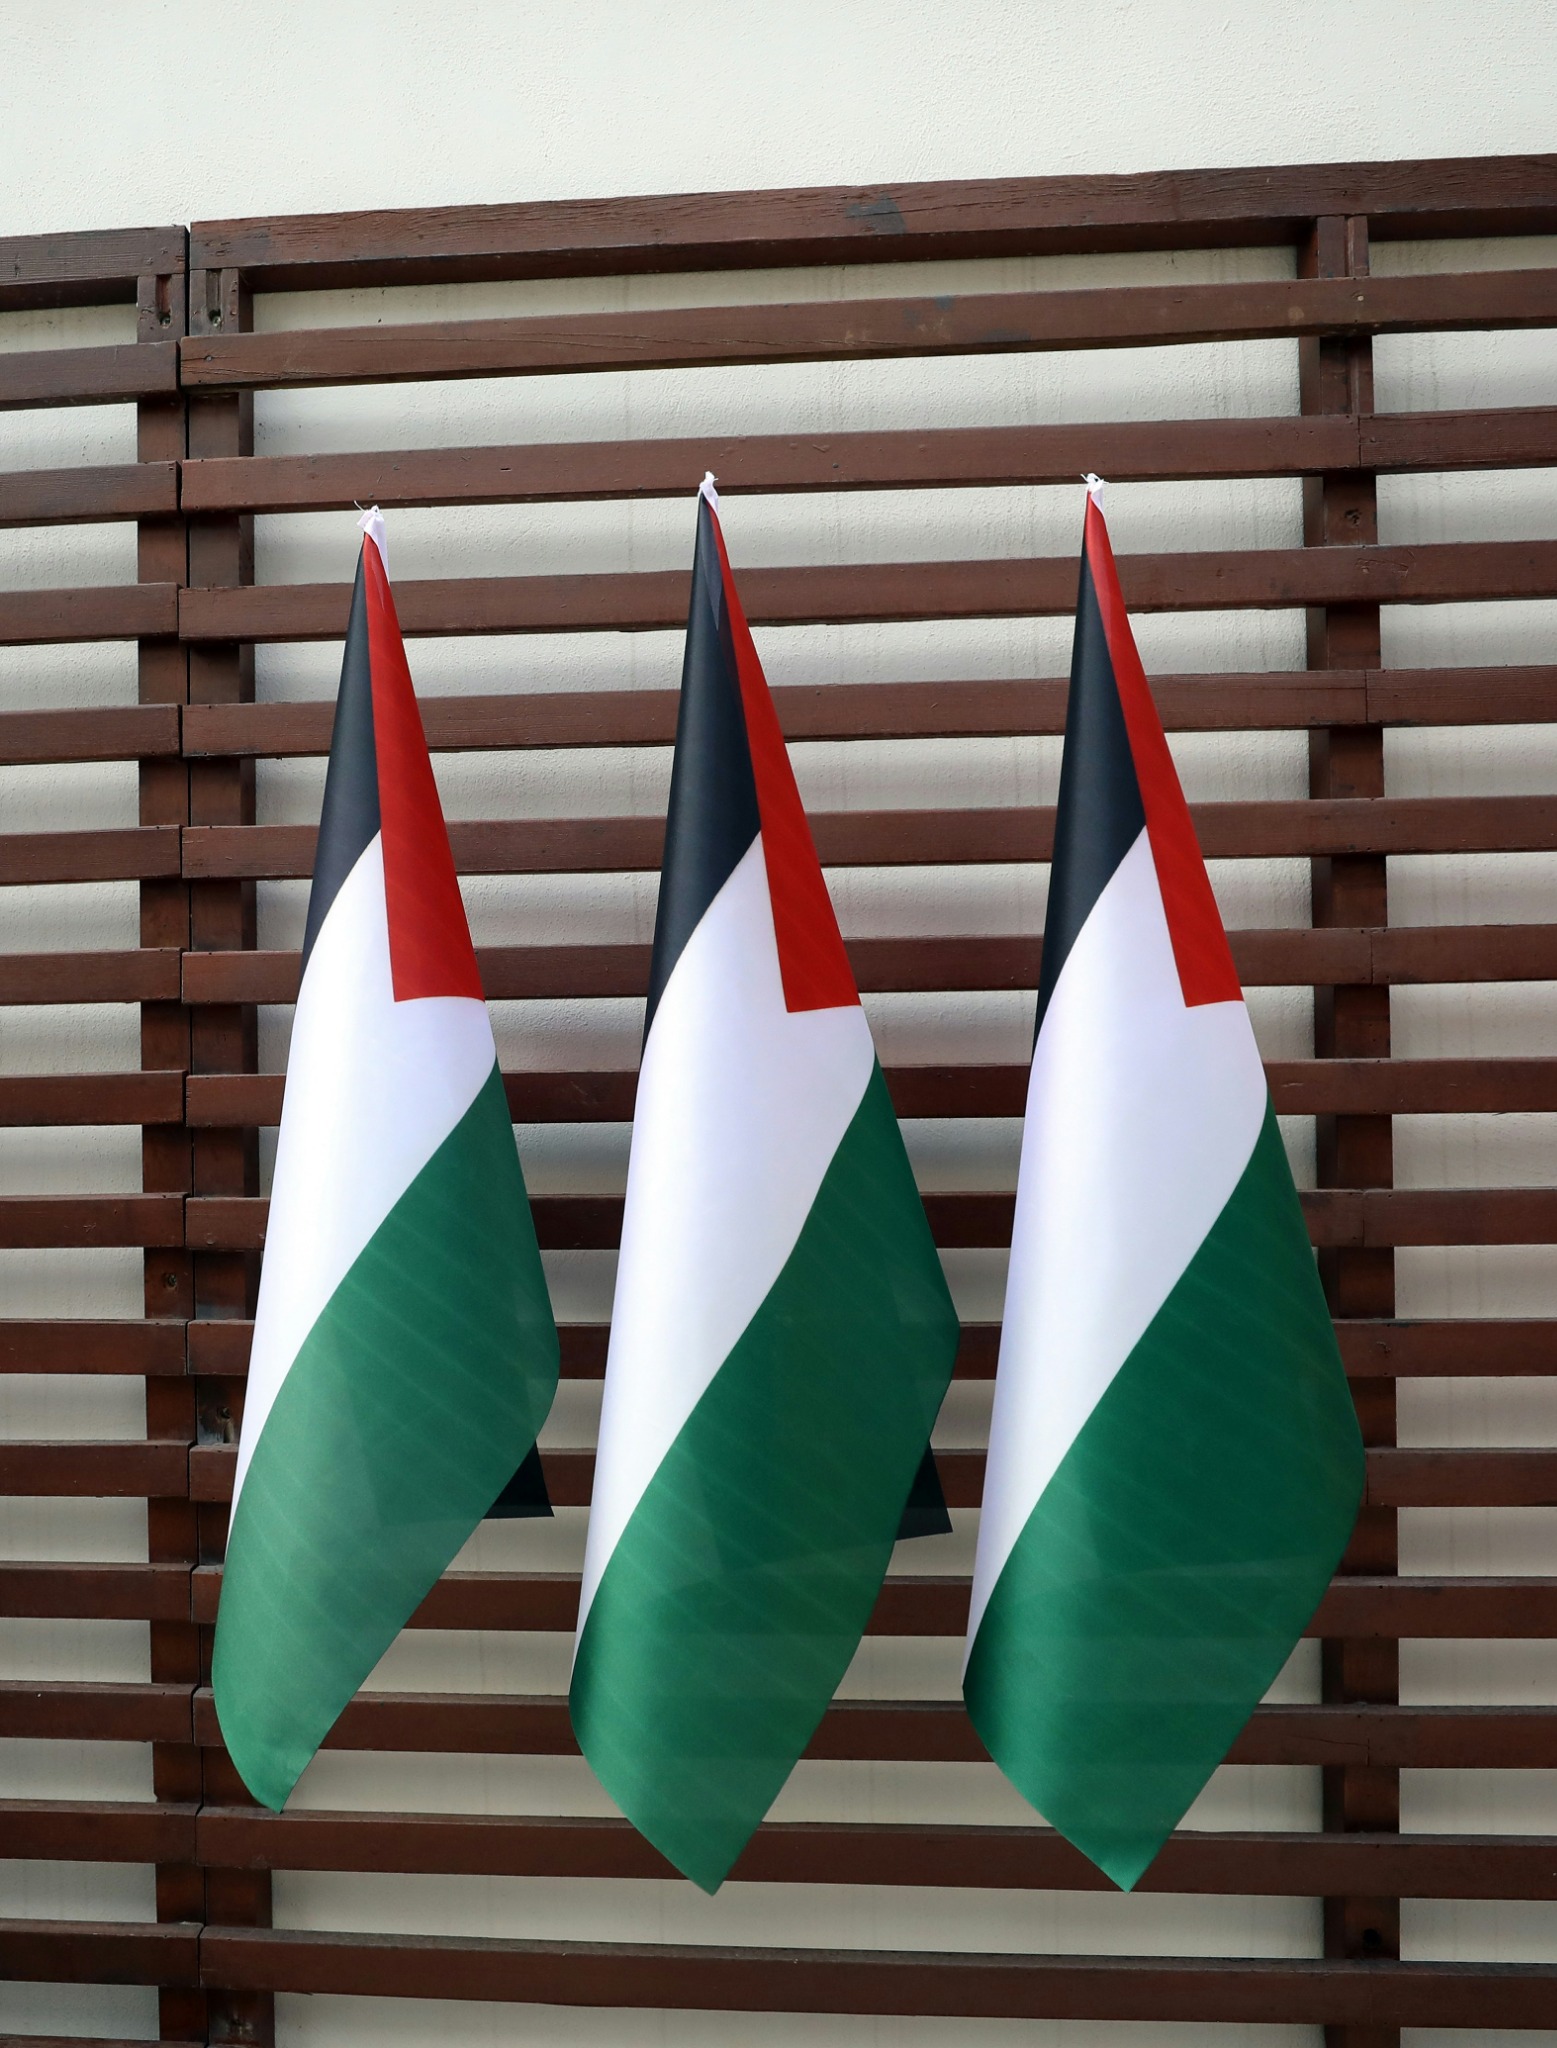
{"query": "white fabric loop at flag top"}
{"type": "Point", "coordinates": [372, 524]}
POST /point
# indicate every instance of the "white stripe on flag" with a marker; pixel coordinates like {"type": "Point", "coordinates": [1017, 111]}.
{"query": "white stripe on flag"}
{"type": "Point", "coordinates": [373, 1088]}
{"type": "Point", "coordinates": [1141, 1116]}
{"type": "Point", "coordinates": [741, 1106]}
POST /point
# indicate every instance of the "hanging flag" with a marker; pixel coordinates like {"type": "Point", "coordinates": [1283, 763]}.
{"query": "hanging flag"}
{"type": "Point", "coordinates": [404, 1350]}
{"type": "Point", "coordinates": [1174, 1463]}
{"type": "Point", "coordinates": [782, 1335]}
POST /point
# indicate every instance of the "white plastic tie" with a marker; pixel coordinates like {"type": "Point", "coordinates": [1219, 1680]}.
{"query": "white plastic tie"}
{"type": "Point", "coordinates": [372, 524]}
{"type": "Point", "coordinates": [1094, 486]}
{"type": "Point", "coordinates": [706, 488]}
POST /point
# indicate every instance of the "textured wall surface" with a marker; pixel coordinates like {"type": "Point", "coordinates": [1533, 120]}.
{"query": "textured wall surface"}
{"type": "Point", "coordinates": [174, 108]}
{"type": "Point", "coordinates": [177, 111]}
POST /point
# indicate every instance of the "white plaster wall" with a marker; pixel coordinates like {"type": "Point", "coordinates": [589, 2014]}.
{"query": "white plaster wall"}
{"type": "Point", "coordinates": [172, 108]}
{"type": "Point", "coordinates": [178, 111]}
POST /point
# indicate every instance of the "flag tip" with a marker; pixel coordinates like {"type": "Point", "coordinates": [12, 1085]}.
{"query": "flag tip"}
{"type": "Point", "coordinates": [706, 488]}
{"type": "Point", "coordinates": [1094, 486]}
{"type": "Point", "coordinates": [372, 524]}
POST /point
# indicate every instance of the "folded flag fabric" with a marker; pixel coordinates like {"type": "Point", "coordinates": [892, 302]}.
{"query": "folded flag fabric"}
{"type": "Point", "coordinates": [404, 1349]}
{"type": "Point", "coordinates": [1175, 1463]}
{"type": "Point", "coordinates": [782, 1334]}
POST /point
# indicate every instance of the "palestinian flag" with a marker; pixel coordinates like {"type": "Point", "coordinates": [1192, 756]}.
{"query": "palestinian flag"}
{"type": "Point", "coordinates": [1174, 1461]}
{"type": "Point", "coordinates": [404, 1350]}
{"type": "Point", "coordinates": [782, 1335]}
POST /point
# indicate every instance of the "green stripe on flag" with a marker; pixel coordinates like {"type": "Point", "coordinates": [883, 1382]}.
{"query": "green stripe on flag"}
{"type": "Point", "coordinates": [409, 1404]}
{"type": "Point", "coordinates": [1182, 1545]}
{"type": "Point", "coordinates": [738, 1592]}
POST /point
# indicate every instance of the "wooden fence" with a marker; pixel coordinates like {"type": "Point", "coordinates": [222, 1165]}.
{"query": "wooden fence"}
{"type": "Point", "coordinates": [200, 978]}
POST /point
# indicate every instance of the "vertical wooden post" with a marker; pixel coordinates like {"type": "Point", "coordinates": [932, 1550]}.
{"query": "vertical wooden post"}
{"type": "Point", "coordinates": [1353, 1023]}
{"type": "Point", "coordinates": [172, 1536]}
{"type": "Point", "coordinates": [223, 1037]}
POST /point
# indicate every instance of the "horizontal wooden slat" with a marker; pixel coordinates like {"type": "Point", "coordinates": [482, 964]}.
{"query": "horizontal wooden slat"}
{"type": "Point", "coordinates": [1312, 826]}
{"type": "Point", "coordinates": [1404, 956]}
{"type": "Point", "coordinates": [129, 853]}
{"type": "Point", "coordinates": [30, 1222]}
{"type": "Point", "coordinates": [97, 1831]}
{"type": "Point", "coordinates": [867, 330]}
{"type": "Point", "coordinates": [117, 374]}
{"type": "Point", "coordinates": [939, 1731]}
{"type": "Point", "coordinates": [1005, 1858]}
{"type": "Point", "coordinates": [1437, 1608]}
{"type": "Point", "coordinates": [896, 223]}
{"type": "Point", "coordinates": [128, 611]}
{"type": "Point", "coordinates": [1494, 1609]}
{"type": "Point", "coordinates": [123, 1346]}
{"type": "Point", "coordinates": [1396, 1478]}
{"type": "Point", "coordinates": [224, 1100]}
{"type": "Point", "coordinates": [1405, 1087]}
{"type": "Point", "coordinates": [1298, 1088]}
{"type": "Point", "coordinates": [875, 592]}
{"type": "Point", "coordinates": [151, 975]}
{"type": "Point", "coordinates": [1336, 1216]}
{"type": "Point", "coordinates": [1505, 437]}
{"type": "Point", "coordinates": [95, 1713]}
{"type": "Point", "coordinates": [1481, 1478]}
{"type": "Point", "coordinates": [137, 1471]}
{"type": "Point", "coordinates": [516, 972]}
{"type": "Point", "coordinates": [1431, 1216]}
{"type": "Point", "coordinates": [908, 710]}
{"type": "Point", "coordinates": [217, 1101]}
{"type": "Point", "coordinates": [100, 1952]}
{"type": "Point", "coordinates": [221, 1349]}
{"type": "Point", "coordinates": [1460, 696]}
{"type": "Point", "coordinates": [92, 267]}
{"type": "Point", "coordinates": [74, 2041]}
{"type": "Point", "coordinates": [1265, 701]}
{"type": "Point", "coordinates": [613, 718]}
{"type": "Point", "coordinates": [1448, 953]}
{"type": "Point", "coordinates": [1466, 1348]}
{"type": "Point", "coordinates": [68, 497]}
{"type": "Point", "coordinates": [121, 732]}
{"type": "Point", "coordinates": [921, 1985]}
{"type": "Point", "coordinates": [1367, 1087]}
{"type": "Point", "coordinates": [140, 1098]}
{"type": "Point", "coordinates": [947, 457]}
{"type": "Point", "coordinates": [566, 472]}
{"type": "Point", "coordinates": [98, 1592]}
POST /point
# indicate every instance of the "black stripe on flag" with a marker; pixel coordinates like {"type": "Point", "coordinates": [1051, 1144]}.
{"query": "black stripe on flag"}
{"type": "Point", "coordinates": [1100, 814]}
{"type": "Point", "coordinates": [525, 1497]}
{"type": "Point", "coordinates": [925, 1513]}
{"type": "Point", "coordinates": [713, 816]}
{"type": "Point", "coordinates": [349, 820]}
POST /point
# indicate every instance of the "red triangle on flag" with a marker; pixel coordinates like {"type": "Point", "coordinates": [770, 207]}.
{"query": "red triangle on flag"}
{"type": "Point", "coordinates": [1200, 948]}
{"type": "Point", "coordinates": [812, 959]}
{"type": "Point", "coordinates": [430, 952]}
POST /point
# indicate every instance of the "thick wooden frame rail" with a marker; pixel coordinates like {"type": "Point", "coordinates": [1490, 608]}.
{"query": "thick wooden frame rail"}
{"type": "Point", "coordinates": [1470, 196]}
{"type": "Point", "coordinates": [196, 855]}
